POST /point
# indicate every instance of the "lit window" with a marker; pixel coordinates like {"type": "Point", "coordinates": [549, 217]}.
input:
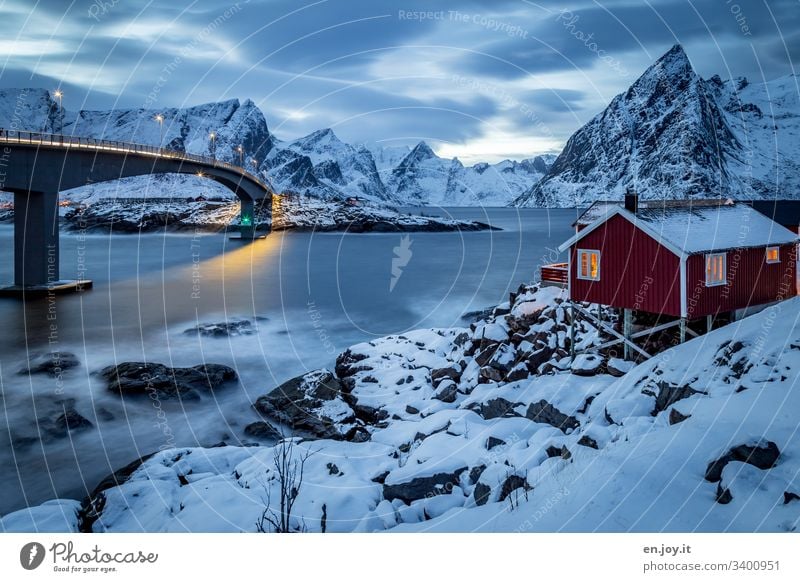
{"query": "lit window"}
{"type": "Point", "coordinates": [589, 265]}
{"type": "Point", "coordinates": [773, 255]}
{"type": "Point", "coordinates": [716, 271]}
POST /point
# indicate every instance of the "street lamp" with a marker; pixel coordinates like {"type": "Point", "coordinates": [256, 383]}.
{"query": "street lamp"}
{"type": "Point", "coordinates": [60, 96]}
{"type": "Point", "coordinates": [160, 119]}
{"type": "Point", "coordinates": [213, 137]}
{"type": "Point", "coordinates": [240, 149]}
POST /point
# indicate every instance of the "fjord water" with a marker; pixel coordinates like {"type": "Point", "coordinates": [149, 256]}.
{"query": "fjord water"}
{"type": "Point", "coordinates": [318, 292]}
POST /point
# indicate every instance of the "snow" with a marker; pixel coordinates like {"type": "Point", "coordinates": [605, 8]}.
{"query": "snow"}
{"type": "Point", "coordinates": [645, 473]}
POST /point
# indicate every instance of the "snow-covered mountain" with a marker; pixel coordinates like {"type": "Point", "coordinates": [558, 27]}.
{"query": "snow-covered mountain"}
{"type": "Point", "coordinates": [422, 177]}
{"type": "Point", "coordinates": [673, 134]}
{"type": "Point", "coordinates": [318, 165]}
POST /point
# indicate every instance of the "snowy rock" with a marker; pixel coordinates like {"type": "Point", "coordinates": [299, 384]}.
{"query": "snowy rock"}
{"type": "Point", "coordinates": [545, 412]}
{"type": "Point", "coordinates": [586, 364]}
{"type": "Point", "coordinates": [618, 367]}
{"type": "Point", "coordinates": [448, 392]}
{"type": "Point", "coordinates": [223, 329]}
{"type": "Point", "coordinates": [311, 403]}
{"type": "Point", "coordinates": [762, 455]}
{"type": "Point", "coordinates": [158, 380]}
{"type": "Point", "coordinates": [421, 487]}
{"type": "Point", "coordinates": [668, 395]}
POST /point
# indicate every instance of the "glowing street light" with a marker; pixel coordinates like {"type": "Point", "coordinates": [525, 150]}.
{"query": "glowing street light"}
{"type": "Point", "coordinates": [213, 137]}
{"type": "Point", "coordinates": [160, 119]}
{"type": "Point", "coordinates": [240, 149]}
{"type": "Point", "coordinates": [60, 96]}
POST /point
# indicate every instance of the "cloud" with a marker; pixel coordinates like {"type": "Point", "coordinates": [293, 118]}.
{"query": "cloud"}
{"type": "Point", "coordinates": [475, 74]}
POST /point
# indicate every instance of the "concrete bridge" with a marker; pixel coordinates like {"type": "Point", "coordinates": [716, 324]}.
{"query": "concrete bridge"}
{"type": "Point", "coordinates": [35, 167]}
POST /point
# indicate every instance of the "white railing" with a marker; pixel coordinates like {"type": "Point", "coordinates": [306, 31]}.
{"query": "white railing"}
{"type": "Point", "coordinates": [90, 143]}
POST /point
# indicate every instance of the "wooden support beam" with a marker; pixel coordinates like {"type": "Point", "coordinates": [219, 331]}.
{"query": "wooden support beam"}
{"type": "Point", "coordinates": [572, 331]}
{"type": "Point", "coordinates": [627, 324]}
{"type": "Point", "coordinates": [709, 322]}
{"type": "Point", "coordinates": [609, 330]}
{"type": "Point", "coordinates": [683, 329]}
{"type": "Point", "coordinates": [655, 329]}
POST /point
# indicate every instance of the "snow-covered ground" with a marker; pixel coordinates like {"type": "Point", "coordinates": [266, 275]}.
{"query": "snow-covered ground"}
{"type": "Point", "coordinates": [489, 428]}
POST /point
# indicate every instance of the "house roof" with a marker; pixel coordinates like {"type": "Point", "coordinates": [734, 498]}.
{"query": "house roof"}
{"type": "Point", "coordinates": [689, 228]}
{"type": "Point", "coordinates": [785, 212]}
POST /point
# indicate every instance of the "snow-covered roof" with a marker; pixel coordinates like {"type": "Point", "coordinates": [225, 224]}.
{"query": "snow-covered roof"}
{"type": "Point", "coordinates": [690, 229]}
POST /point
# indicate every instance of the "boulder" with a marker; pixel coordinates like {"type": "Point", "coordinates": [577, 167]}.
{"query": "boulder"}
{"type": "Point", "coordinates": [300, 404]}
{"type": "Point", "coordinates": [51, 363]}
{"type": "Point", "coordinates": [587, 441]}
{"type": "Point", "coordinates": [346, 364]}
{"type": "Point", "coordinates": [518, 372]}
{"type": "Point", "coordinates": [586, 364]}
{"type": "Point", "coordinates": [411, 409]}
{"type": "Point", "coordinates": [481, 494]}
{"type": "Point", "coordinates": [439, 374]}
{"type": "Point", "coordinates": [422, 487]}
{"type": "Point", "coordinates": [448, 392]}
{"type": "Point", "coordinates": [160, 381]}
{"type": "Point", "coordinates": [223, 329]}
{"type": "Point", "coordinates": [262, 430]}
{"type": "Point", "coordinates": [493, 442]}
{"type": "Point", "coordinates": [762, 455]}
{"type": "Point", "coordinates": [675, 416]}
{"type": "Point", "coordinates": [495, 408]}
{"type": "Point", "coordinates": [618, 368]}
{"type": "Point", "coordinates": [490, 374]}
{"type": "Point", "coordinates": [545, 412]}
{"type": "Point", "coordinates": [668, 395]}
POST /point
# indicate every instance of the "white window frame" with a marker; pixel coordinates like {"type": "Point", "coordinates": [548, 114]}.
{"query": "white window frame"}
{"type": "Point", "coordinates": [724, 281]}
{"type": "Point", "coordinates": [776, 249]}
{"type": "Point", "coordinates": [581, 252]}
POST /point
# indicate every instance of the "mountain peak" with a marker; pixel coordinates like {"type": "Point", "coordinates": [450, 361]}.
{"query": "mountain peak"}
{"type": "Point", "coordinates": [422, 151]}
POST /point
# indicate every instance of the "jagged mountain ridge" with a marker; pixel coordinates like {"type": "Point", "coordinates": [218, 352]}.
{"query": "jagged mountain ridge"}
{"type": "Point", "coordinates": [318, 165]}
{"type": "Point", "coordinates": [675, 135]}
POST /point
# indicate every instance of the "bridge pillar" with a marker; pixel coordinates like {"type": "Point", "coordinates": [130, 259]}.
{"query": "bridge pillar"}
{"type": "Point", "coordinates": [247, 219]}
{"type": "Point", "coordinates": [36, 239]}
{"type": "Point", "coordinates": [36, 256]}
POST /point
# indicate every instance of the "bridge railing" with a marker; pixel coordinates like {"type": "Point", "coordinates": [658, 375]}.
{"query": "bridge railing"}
{"type": "Point", "coordinates": [71, 141]}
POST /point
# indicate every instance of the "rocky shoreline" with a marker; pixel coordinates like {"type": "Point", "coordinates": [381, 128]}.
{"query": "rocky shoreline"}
{"type": "Point", "coordinates": [480, 426]}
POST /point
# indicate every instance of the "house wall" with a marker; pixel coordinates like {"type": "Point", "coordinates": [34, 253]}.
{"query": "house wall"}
{"type": "Point", "coordinates": [636, 272]}
{"type": "Point", "coordinates": [751, 281]}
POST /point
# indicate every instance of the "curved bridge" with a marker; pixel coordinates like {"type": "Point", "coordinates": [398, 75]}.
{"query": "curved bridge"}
{"type": "Point", "coordinates": [36, 166]}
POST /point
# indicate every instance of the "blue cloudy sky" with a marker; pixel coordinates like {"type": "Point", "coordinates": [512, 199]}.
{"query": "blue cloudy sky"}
{"type": "Point", "coordinates": [483, 79]}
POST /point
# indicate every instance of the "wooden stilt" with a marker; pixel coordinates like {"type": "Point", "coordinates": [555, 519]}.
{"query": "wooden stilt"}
{"type": "Point", "coordinates": [683, 329]}
{"type": "Point", "coordinates": [572, 331]}
{"type": "Point", "coordinates": [627, 324]}
{"type": "Point", "coordinates": [709, 322]}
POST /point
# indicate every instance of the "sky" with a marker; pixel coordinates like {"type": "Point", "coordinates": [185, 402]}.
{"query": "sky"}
{"type": "Point", "coordinates": [483, 80]}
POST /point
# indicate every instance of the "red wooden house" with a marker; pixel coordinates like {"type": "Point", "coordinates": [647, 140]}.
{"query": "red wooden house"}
{"type": "Point", "coordinates": [685, 260]}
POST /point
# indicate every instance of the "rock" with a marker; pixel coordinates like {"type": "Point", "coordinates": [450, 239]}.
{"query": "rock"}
{"type": "Point", "coordinates": [411, 409]}
{"type": "Point", "coordinates": [475, 473]}
{"type": "Point", "coordinates": [669, 395]}
{"type": "Point", "coordinates": [380, 478]}
{"type": "Point", "coordinates": [618, 367]}
{"type": "Point", "coordinates": [448, 393]}
{"type": "Point", "coordinates": [496, 408]}
{"type": "Point", "coordinates": [675, 417]}
{"type": "Point", "coordinates": [552, 451]}
{"type": "Point", "coordinates": [262, 430]}
{"type": "Point", "coordinates": [503, 359]}
{"type": "Point", "coordinates": [300, 404]}
{"type": "Point", "coordinates": [357, 434]}
{"type": "Point", "coordinates": [587, 441]}
{"type": "Point", "coordinates": [481, 493]}
{"type": "Point", "coordinates": [223, 329]}
{"type": "Point", "coordinates": [493, 442]}
{"type": "Point", "coordinates": [333, 469]}
{"type": "Point", "coordinates": [160, 381]}
{"type": "Point", "coordinates": [586, 364]}
{"type": "Point", "coordinates": [52, 363]}
{"type": "Point", "coordinates": [345, 364]}
{"type": "Point", "coordinates": [421, 487]}
{"type": "Point", "coordinates": [518, 372]}
{"type": "Point", "coordinates": [789, 496]}
{"type": "Point", "coordinates": [439, 374]}
{"type": "Point", "coordinates": [490, 374]}
{"type": "Point", "coordinates": [545, 412]}
{"type": "Point", "coordinates": [512, 483]}
{"type": "Point", "coordinates": [723, 495]}
{"type": "Point", "coordinates": [762, 455]}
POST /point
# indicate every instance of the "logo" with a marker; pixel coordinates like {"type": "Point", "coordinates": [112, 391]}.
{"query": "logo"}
{"type": "Point", "coordinates": [31, 555]}
{"type": "Point", "coordinates": [402, 255]}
